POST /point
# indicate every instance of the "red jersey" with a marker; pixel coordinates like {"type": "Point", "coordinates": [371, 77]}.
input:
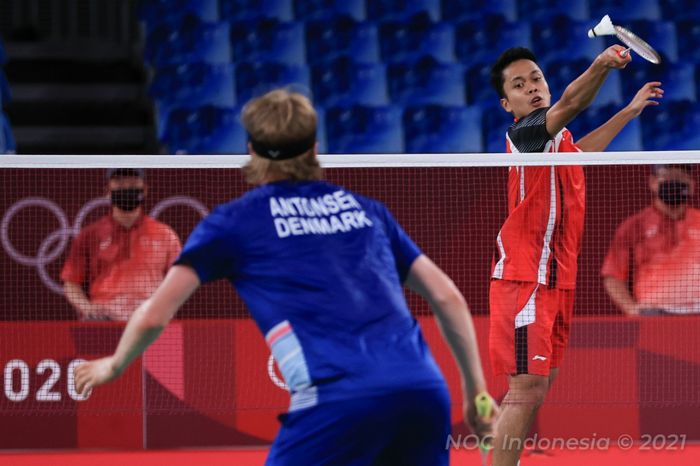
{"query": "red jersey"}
{"type": "Point", "coordinates": [660, 259]}
{"type": "Point", "coordinates": [121, 266]}
{"type": "Point", "coordinates": [541, 238]}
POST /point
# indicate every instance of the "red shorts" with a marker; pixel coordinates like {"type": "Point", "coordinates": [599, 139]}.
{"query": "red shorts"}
{"type": "Point", "coordinates": [529, 327]}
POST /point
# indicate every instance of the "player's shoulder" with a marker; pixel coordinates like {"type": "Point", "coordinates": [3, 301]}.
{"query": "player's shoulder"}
{"type": "Point", "coordinates": [101, 225]}
{"type": "Point", "coordinates": [155, 226]}
{"type": "Point", "coordinates": [537, 117]}
{"type": "Point", "coordinates": [638, 221]}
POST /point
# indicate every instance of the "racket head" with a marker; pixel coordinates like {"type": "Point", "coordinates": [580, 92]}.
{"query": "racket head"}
{"type": "Point", "coordinates": [641, 47]}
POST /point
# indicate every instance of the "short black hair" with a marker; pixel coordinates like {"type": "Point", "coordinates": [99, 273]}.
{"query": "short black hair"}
{"type": "Point", "coordinates": [509, 56]}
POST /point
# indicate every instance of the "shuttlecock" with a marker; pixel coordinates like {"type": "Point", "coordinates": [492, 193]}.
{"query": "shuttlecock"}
{"type": "Point", "coordinates": [604, 28]}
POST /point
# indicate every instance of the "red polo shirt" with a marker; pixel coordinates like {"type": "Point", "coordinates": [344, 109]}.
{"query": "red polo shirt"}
{"type": "Point", "coordinates": [121, 266]}
{"type": "Point", "coordinates": [660, 257]}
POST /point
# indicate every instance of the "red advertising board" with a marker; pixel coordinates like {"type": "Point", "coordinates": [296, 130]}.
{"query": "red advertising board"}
{"type": "Point", "coordinates": [212, 383]}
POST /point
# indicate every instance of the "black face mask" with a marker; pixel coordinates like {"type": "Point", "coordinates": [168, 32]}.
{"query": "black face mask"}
{"type": "Point", "coordinates": [674, 193]}
{"type": "Point", "coordinates": [127, 199]}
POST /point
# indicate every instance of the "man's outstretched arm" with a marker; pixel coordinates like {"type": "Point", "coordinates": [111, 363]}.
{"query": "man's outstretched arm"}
{"type": "Point", "coordinates": [598, 139]}
{"type": "Point", "coordinates": [145, 325]}
{"type": "Point", "coordinates": [581, 92]}
{"type": "Point", "coordinates": [456, 325]}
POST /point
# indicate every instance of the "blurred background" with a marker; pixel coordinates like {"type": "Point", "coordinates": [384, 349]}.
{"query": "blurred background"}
{"type": "Point", "coordinates": [388, 76]}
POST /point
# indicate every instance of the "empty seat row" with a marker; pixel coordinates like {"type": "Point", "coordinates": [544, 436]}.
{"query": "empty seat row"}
{"type": "Point", "coordinates": [7, 140]}
{"type": "Point", "coordinates": [426, 129]}
{"type": "Point", "coordinates": [154, 11]}
{"type": "Point", "coordinates": [188, 39]}
{"type": "Point", "coordinates": [358, 129]}
{"type": "Point", "coordinates": [346, 83]}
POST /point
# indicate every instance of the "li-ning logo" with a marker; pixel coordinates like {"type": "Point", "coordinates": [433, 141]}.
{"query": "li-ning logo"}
{"type": "Point", "coordinates": [537, 357]}
{"type": "Point", "coordinates": [274, 153]}
{"type": "Point", "coordinates": [53, 246]}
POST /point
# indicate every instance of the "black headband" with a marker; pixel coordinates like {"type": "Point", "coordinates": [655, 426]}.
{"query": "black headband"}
{"type": "Point", "coordinates": [285, 152]}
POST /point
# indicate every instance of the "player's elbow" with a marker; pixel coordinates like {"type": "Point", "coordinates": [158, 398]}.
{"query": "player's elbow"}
{"type": "Point", "coordinates": [448, 297]}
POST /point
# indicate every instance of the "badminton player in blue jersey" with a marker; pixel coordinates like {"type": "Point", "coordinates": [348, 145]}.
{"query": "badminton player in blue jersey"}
{"type": "Point", "coordinates": [321, 270]}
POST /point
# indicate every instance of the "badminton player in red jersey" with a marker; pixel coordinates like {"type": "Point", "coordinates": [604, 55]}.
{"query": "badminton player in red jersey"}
{"type": "Point", "coordinates": [534, 274]}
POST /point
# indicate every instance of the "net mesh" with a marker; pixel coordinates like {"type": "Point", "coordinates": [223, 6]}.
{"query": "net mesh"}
{"type": "Point", "coordinates": [210, 378]}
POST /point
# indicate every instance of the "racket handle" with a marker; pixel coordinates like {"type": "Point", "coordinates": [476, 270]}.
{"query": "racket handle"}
{"type": "Point", "coordinates": [623, 53]}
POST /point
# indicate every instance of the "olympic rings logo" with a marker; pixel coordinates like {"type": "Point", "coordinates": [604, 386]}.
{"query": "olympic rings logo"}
{"type": "Point", "coordinates": [56, 242]}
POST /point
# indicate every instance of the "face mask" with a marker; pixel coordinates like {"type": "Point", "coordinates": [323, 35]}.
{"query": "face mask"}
{"type": "Point", "coordinates": [674, 193]}
{"type": "Point", "coordinates": [127, 199]}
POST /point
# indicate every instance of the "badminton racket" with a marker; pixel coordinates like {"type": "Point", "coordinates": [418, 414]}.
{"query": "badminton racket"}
{"type": "Point", "coordinates": [606, 28]}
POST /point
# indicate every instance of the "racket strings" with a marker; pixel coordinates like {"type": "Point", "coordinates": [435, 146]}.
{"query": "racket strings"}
{"type": "Point", "coordinates": [641, 47]}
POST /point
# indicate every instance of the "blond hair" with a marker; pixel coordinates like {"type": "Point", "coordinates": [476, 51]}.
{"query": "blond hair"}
{"type": "Point", "coordinates": [277, 119]}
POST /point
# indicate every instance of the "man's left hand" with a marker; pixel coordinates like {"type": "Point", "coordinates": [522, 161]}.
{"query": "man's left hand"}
{"type": "Point", "coordinates": [645, 96]}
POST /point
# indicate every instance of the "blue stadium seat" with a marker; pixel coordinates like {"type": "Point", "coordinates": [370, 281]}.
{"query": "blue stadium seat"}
{"type": "Point", "coordinates": [681, 10]}
{"type": "Point", "coordinates": [483, 40]}
{"type": "Point", "coordinates": [268, 40]}
{"type": "Point", "coordinates": [154, 12]}
{"type": "Point", "coordinates": [250, 10]}
{"type": "Point", "coordinates": [441, 129]}
{"type": "Point", "coordinates": [321, 131]}
{"type": "Point", "coordinates": [564, 39]}
{"type": "Point", "coordinates": [346, 83]}
{"type": "Point", "coordinates": [191, 85]}
{"type": "Point", "coordinates": [402, 42]}
{"type": "Point", "coordinates": [479, 90]}
{"type": "Point", "coordinates": [679, 83]}
{"type": "Point", "coordinates": [542, 10]}
{"type": "Point", "coordinates": [400, 10]}
{"type": "Point", "coordinates": [610, 93]}
{"type": "Point", "coordinates": [360, 130]}
{"type": "Point", "coordinates": [255, 79]}
{"type": "Point", "coordinates": [623, 11]}
{"type": "Point", "coordinates": [205, 130]}
{"type": "Point", "coordinates": [494, 123]}
{"type": "Point", "coordinates": [3, 54]}
{"type": "Point", "coordinates": [5, 91]}
{"type": "Point", "coordinates": [690, 139]}
{"type": "Point", "coordinates": [560, 74]}
{"type": "Point", "coordinates": [678, 80]}
{"type": "Point", "coordinates": [7, 139]}
{"type": "Point", "coordinates": [342, 37]}
{"type": "Point", "coordinates": [629, 139]}
{"type": "Point", "coordinates": [461, 10]}
{"type": "Point", "coordinates": [427, 82]}
{"type": "Point", "coordinates": [188, 41]}
{"type": "Point", "coordinates": [662, 34]}
{"type": "Point", "coordinates": [667, 126]}
{"type": "Point", "coordinates": [688, 32]}
{"type": "Point", "coordinates": [314, 10]}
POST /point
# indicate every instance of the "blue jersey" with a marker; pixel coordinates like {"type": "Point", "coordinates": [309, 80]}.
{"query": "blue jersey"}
{"type": "Point", "coordinates": [321, 271]}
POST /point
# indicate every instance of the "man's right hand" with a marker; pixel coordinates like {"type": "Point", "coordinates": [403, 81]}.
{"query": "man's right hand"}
{"type": "Point", "coordinates": [94, 311]}
{"type": "Point", "coordinates": [613, 57]}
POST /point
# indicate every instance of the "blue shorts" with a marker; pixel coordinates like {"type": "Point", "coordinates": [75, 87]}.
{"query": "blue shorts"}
{"type": "Point", "coordinates": [403, 428]}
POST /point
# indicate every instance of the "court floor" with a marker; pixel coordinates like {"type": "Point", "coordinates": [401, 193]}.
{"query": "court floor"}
{"type": "Point", "coordinates": [690, 455]}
